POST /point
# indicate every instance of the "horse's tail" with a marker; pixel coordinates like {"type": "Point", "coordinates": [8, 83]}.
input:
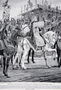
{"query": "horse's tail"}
{"type": "Point", "coordinates": [30, 45]}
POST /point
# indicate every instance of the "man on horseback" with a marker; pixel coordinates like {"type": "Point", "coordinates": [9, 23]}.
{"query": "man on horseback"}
{"type": "Point", "coordinates": [2, 47]}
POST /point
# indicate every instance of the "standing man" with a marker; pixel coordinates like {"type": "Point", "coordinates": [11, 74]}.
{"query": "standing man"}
{"type": "Point", "coordinates": [31, 51]}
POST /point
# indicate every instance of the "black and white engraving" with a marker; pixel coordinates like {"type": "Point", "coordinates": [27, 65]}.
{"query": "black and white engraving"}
{"type": "Point", "coordinates": [30, 40]}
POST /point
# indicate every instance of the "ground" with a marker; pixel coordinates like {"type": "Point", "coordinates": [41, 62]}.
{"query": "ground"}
{"type": "Point", "coordinates": [36, 72]}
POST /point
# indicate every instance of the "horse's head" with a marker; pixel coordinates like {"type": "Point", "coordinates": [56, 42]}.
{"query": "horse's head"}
{"type": "Point", "coordinates": [25, 29]}
{"type": "Point", "coordinates": [51, 37]}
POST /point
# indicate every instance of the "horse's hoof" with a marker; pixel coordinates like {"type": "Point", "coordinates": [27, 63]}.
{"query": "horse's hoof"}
{"type": "Point", "coordinates": [48, 66]}
{"type": "Point", "coordinates": [15, 67]}
{"type": "Point", "coordinates": [6, 75]}
{"type": "Point", "coordinates": [24, 68]}
{"type": "Point", "coordinates": [58, 66]}
{"type": "Point", "coordinates": [28, 62]}
{"type": "Point", "coordinates": [33, 61]}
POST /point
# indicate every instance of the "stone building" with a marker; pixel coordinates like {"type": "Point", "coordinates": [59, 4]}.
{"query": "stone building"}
{"type": "Point", "coordinates": [42, 12]}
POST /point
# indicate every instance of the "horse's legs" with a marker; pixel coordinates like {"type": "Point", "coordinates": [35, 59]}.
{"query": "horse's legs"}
{"type": "Point", "coordinates": [25, 53]}
{"type": "Point", "coordinates": [14, 60]}
{"type": "Point", "coordinates": [16, 56]}
{"type": "Point", "coordinates": [1, 60]}
{"type": "Point", "coordinates": [45, 59]}
{"type": "Point", "coordinates": [60, 62]}
{"type": "Point", "coordinates": [4, 63]}
{"type": "Point", "coordinates": [58, 58]}
{"type": "Point", "coordinates": [7, 64]}
{"type": "Point", "coordinates": [19, 52]}
{"type": "Point", "coordinates": [5, 67]}
{"type": "Point", "coordinates": [28, 55]}
{"type": "Point", "coordinates": [23, 60]}
{"type": "Point", "coordinates": [33, 56]}
{"type": "Point", "coordinates": [19, 58]}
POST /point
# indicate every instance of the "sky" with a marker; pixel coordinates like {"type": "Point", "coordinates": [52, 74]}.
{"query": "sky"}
{"type": "Point", "coordinates": [16, 5]}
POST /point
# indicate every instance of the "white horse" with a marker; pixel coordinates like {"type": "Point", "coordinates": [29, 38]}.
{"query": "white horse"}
{"type": "Point", "coordinates": [23, 47]}
{"type": "Point", "coordinates": [24, 44]}
{"type": "Point", "coordinates": [49, 37]}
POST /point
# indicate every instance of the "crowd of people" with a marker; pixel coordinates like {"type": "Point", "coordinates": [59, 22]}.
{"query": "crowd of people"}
{"type": "Point", "coordinates": [8, 37]}
{"type": "Point", "coordinates": [10, 29]}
